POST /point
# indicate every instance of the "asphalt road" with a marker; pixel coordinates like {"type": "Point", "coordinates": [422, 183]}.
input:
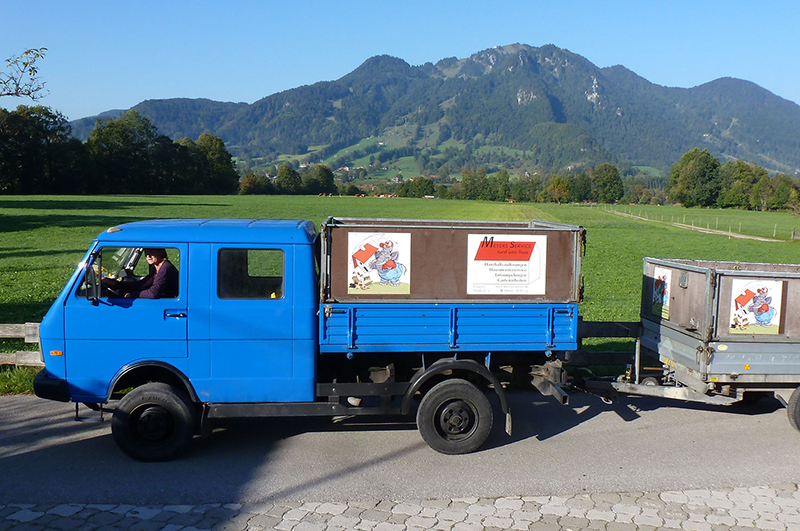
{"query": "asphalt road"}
{"type": "Point", "coordinates": [637, 444]}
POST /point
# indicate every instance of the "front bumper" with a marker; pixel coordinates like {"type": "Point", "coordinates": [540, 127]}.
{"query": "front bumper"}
{"type": "Point", "coordinates": [50, 388]}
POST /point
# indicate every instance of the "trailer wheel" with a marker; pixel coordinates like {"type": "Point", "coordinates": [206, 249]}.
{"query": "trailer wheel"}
{"type": "Point", "coordinates": [650, 380]}
{"type": "Point", "coordinates": [793, 409]}
{"type": "Point", "coordinates": [454, 417]}
{"type": "Point", "coordinates": [154, 422]}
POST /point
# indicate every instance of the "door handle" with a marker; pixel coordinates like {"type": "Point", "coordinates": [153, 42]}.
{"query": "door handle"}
{"type": "Point", "coordinates": [177, 315]}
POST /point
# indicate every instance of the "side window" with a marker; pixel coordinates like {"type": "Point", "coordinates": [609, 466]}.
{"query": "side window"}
{"type": "Point", "coordinates": [250, 274]}
{"type": "Point", "coordinates": [126, 269]}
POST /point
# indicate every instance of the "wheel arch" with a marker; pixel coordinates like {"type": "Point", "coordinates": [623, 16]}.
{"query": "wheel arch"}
{"type": "Point", "coordinates": [141, 372]}
{"type": "Point", "coordinates": [439, 367]}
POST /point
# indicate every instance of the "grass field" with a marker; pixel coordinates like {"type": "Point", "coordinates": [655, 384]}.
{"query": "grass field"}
{"type": "Point", "coordinates": [777, 225]}
{"type": "Point", "coordinates": [42, 239]}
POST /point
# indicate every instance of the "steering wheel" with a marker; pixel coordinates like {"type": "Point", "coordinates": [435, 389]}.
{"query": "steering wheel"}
{"type": "Point", "coordinates": [116, 294]}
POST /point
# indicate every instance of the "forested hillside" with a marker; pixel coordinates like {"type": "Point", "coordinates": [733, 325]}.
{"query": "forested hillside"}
{"type": "Point", "coordinates": [517, 106]}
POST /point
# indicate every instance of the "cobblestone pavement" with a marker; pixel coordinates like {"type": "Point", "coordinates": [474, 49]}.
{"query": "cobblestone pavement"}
{"type": "Point", "coordinates": [774, 507]}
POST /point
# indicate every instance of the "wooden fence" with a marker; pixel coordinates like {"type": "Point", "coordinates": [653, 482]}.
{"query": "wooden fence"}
{"type": "Point", "coordinates": [30, 333]}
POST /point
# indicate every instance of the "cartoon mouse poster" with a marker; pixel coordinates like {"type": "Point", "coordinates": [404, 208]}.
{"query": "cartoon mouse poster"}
{"type": "Point", "coordinates": [379, 263]}
{"type": "Point", "coordinates": [756, 306]}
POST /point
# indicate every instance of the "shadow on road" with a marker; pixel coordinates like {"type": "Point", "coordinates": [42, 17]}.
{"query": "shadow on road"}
{"type": "Point", "coordinates": [47, 457]}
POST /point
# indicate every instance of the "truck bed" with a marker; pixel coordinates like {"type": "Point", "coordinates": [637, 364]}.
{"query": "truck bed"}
{"type": "Point", "coordinates": [447, 327]}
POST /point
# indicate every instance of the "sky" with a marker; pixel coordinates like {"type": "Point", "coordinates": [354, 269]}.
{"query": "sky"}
{"type": "Point", "coordinates": [113, 55]}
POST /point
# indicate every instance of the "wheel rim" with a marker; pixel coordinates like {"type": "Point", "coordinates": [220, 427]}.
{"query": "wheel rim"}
{"type": "Point", "coordinates": [152, 424]}
{"type": "Point", "coordinates": [456, 420]}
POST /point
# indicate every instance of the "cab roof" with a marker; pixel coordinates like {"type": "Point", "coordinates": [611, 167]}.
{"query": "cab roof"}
{"type": "Point", "coordinates": [212, 231]}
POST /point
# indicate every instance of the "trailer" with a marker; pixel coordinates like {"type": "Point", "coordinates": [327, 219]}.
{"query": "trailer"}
{"type": "Point", "coordinates": [723, 332]}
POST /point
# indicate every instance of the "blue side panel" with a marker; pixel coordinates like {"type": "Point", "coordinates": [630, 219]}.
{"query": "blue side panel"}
{"type": "Point", "coordinates": [431, 327]}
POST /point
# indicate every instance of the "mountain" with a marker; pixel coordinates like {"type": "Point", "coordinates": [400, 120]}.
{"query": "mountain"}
{"type": "Point", "coordinates": [544, 108]}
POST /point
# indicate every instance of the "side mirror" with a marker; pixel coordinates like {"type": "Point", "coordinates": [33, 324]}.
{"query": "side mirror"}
{"type": "Point", "coordinates": [92, 283]}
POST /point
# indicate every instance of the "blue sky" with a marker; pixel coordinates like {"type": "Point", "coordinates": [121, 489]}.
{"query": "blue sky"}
{"type": "Point", "coordinates": [112, 55]}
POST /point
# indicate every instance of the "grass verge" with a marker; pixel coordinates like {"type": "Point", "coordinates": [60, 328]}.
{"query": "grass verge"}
{"type": "Point", "coordinates": [17, 380]}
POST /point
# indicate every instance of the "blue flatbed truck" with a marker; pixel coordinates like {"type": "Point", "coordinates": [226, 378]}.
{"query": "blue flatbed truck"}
{"type": "Point", "coordinates": [273, 318]}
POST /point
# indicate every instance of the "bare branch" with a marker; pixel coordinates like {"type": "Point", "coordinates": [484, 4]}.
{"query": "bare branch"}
{"type": "Point", "coordinates": [21, 78]}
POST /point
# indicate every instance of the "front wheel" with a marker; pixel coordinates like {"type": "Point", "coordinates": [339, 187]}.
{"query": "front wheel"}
{"type": "Point", "coordinates": [454, 417]}
{"type": "Point", "coordinates": [154, 422]}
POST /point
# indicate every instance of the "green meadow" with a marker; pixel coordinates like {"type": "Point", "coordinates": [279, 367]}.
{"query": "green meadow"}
{"type": "Point", "coordinates": [42, 238]}
{"type": "Point", "coordinates": [778, 225]}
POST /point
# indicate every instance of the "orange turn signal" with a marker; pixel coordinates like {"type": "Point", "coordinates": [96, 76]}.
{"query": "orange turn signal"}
{"type": "Point", "coordinates": [56, 352]}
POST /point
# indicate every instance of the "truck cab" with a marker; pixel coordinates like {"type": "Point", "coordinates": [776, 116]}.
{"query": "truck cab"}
{"type": "Point", "coordinates": [211, 339]}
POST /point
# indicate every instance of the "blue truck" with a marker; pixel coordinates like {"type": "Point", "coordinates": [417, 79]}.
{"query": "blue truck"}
{"type": "Point", "coordinates": [274, 318]}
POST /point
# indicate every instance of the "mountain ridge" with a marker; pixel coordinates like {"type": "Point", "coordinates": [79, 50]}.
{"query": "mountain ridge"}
{"type": "Point", "coordinates": [553, 106]}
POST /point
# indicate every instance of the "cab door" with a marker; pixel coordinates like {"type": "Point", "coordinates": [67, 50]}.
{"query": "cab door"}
{"type": "Point", "coordinates": [107, 334]}
{"type": "Point", "coordinates": [251, 325]}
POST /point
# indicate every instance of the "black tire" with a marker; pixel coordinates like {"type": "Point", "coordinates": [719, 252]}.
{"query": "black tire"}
{"type": "Point", "coordinates": [793, 409]}
{"type": "Point", "coordinates": [650, 380]}
{"type": "Point", "coordinates": [454, 417]}
{"type": "Point", "coordinates": [154, 422]}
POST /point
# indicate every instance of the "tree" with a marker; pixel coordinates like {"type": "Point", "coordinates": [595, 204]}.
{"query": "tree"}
{"type": "Point", "coordinates": [503, 186]}
{"type": "Point", "coordinates": [120, 148]}
{"type": "Point", "coordinates": [558, 188]}
{"type": "Point", "coordinates": [21, 78]}
{"type": "Point", "coordinates": [784, 191]}
{"type": "Point", "coordinates": [736, 181]}
{"type": "Point", "coordinates": [580, 189]}
{"type": "Point", "coordinates": [318, 179]}
{"type": "Point", "coordinates": [418, 187]}
{"type": "Point", "coordinates": [37, 153]}
{"type": "Point", "coordinates": [476, 185]}
{"type": "Point", "coordinates": [288, 181]}
{"type": "Point", "coordinates": [694, 180]}
{"type": "Point", "coordinates": [607, 183]}
{"type": "Point", "coordinates": [256, 183]}
{"type": "Point", "coordinates": [761, 194]}
{"type": "Point", "coordinates": [220, 175]}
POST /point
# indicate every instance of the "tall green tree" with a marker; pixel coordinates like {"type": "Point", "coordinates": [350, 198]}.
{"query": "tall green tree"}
{"type": "Point", "coordinates": [607, 183]}
{"type": "Point", "coordinates": [220, 176]}
{"type": "Point", "coordinates": [288, 181]}
{"type": "Point", "coordinates": [761, 194]}
{"type": "Point", "coordinates": [37, 153]}
{"type": "Point", "coordinates": [694, 180]}
{"type": "Point", "coordinates": [318, 179]}
{"type": "Point", "coordinates": [558, 188]}
{"type": "Point", "coordinates": [121, 148]}
{"type": "Point", "coordinates": [503, 185]}
{"type": "Point", "coordinates": [476, 184]}
{"type": "Point", "coordinates": [580, 189]}
{"type": "Point", "coordinates": [782, 194]}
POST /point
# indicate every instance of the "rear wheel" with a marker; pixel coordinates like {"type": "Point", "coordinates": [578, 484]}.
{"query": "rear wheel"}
{"type": "Point", "coordinates": [154, 422]}
{"type": "Point", "coordinates": [793, 409]}
{"type": "Point", "coordinates": [454, 417]}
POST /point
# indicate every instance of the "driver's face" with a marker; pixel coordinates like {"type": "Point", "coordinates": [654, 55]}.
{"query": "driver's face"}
{"type": "Point", "coordinates": [153, 259]}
